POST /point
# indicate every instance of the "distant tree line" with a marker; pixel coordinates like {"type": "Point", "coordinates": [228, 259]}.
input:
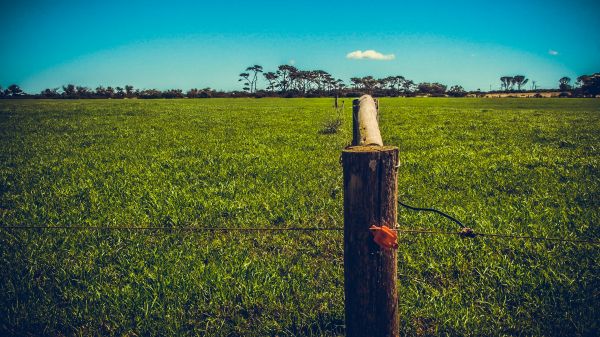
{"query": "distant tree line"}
{"type": "Point", "coordinates": [289, 81]}
{"type": "Point", "coordinates": [586, 85]}
{"type": "Point", "coordinates": [71, 91]}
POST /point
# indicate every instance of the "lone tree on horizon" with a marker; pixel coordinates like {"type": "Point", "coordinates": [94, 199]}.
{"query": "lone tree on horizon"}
{"type": "Point", "coordinates": [246, 78]}
{"type": "Point", "coordinates": [564, 83]}
{"type": "Point", "coordinates": [506, 82]}
{"type": "Point", "coordinates": [520, 81]}
{"type": "Point", "coordinates": [13, 90]}
{"type": "Point", "coordinates": [255, 69]}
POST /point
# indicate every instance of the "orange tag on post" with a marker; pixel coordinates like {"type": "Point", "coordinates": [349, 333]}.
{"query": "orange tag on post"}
{"type": "Point", "coordinates": [384, 237]}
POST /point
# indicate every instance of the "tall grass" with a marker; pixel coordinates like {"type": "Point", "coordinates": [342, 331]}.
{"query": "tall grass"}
{"type": "Point", "coordinates": [507, 166]}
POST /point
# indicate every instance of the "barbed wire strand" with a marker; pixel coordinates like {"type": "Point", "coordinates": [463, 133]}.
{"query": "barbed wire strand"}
{"type": "Point", "coordinates": [470, 233]}
{"type": "Point", "coordinates": [186, 229]}
{"type": "Point", "coordinates": [465, 232]}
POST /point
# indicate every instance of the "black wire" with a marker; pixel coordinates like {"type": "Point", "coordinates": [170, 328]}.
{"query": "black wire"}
{"type": "Point", "coordinates": [434, 211]}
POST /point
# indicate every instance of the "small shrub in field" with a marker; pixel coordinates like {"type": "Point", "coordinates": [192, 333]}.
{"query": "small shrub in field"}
{"type": "Point", "coordinates": [331, 126]}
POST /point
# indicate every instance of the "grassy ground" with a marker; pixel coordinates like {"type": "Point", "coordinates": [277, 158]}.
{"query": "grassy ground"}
{"type": "Point", "coordinates": [527, 166]}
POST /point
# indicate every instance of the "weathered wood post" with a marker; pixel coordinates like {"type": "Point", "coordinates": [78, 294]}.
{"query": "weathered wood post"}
{"type": "Point", "coordinates": [355, 134]}
{"type": "Point", "coordinates": [370, 198]}
{"type": "Point", "coordinates": [367, 124]}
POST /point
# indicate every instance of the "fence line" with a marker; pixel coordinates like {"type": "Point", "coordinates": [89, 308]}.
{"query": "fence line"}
{"type": "Point", "coordinates": [465, 232]}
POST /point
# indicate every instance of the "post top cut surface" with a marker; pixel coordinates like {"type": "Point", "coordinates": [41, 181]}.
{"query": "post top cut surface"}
{"type": "Point", "coordinates": [369, 148]}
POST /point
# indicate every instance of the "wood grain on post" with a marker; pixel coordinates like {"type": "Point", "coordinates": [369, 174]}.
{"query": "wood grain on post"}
{"type": "Point", "coordinates": [355, 133]}
{"type": "Point", "coordinates": [365, 122]}
{"type": "Point", "coordinates": [370, 198]}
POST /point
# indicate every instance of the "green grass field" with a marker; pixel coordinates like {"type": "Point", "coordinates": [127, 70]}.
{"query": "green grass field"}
{"type": "Point", "coordinates": [522, 166]}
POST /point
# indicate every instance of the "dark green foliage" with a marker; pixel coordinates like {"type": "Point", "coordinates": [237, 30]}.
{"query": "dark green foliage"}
{"type": "Point", "coordinates": [433, 89]}
{"type": "Point", "coordinates": [13, 90]}
{"type": "Point", "coordinates": [589, 85]}
{"type": "Point", "coordinates": [500, 165]}
{"type": "Point", "coordinates": [564, 83]}
{"type": "Point", "coordinates": [457, 91]}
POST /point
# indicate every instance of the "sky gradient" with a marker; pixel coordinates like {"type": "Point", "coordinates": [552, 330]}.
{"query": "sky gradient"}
{"type": "Point", "coordinates": [46, 44]}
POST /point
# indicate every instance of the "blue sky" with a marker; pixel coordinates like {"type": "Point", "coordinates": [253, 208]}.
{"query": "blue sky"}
{"type": "Point", "coordinates": [160, 44]}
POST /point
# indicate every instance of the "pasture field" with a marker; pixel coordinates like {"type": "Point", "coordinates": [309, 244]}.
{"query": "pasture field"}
{"type": "Point", "coordinates": [522, 166]}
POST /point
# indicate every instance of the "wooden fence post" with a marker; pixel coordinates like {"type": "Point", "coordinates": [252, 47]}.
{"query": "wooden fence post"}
{"type": "Point", "coordinates": [370, 198]}
{"type": "Point", "coordinates": [365, 128]}
{"type": "Point", "coordinates": [355, 134]}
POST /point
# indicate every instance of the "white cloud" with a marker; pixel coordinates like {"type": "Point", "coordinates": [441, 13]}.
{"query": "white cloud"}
{"type": "Point", "coordinates": [552, 52]}
{"type": "Point", "coordinates": [370, 54]}
{"type": "Point", "coordinates": [292, 62]}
